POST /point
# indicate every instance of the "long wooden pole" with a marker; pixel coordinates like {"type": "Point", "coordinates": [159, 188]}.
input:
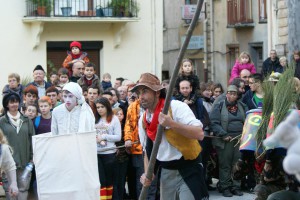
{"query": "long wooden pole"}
{"type": "Point", "coordinates": [152, 161]}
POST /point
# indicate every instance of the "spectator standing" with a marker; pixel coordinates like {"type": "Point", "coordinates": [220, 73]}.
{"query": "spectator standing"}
{"type": "Point", "coordinates": [30, 96]}
{"type": "Point", "coordinates": [295, 63]}
{"type": "Point", "coordinates": [108, 132]}
{"type": "Point", "coordinates": [42, 123]}
{"type": "Point", "coordinates": [227, 120]}
{"type": "Point", "coordinates": [77, 69]}
{"type": "Point", "coordinates": [52, 93]}
{"type": "Point", "coordinates": [245, 75]}
{"type": "Point", "coordinates": [283, 62]}
{"type": "Point", "coordinates": [18, 130]}
{"type": "Point", "coordinates": [217, 90]}
{"type": "Point", "coordinates": [39, 82]}
{"type": "Point", "coordinates": [254, 97]}
{"type": "Point", "coordinates": [14, 86]}
{"type": "Point", "coordinates": [118, 82]}
{"type": "Point", "coordinates": [271, 64]}
{"type": "Point", "coordinates": [31, 111]}
{"type": "Point", "coordinates": [54, 78]}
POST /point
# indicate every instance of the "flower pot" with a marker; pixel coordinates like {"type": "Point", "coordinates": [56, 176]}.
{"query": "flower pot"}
{"type": "Point", "coordinates": [88, 13]}
{"type": "Point", "coordinates": [108, 12]}
{"type": "Point", "coordinates": [41, 10]}
{"type": "Point", "coordinates": [99, 12]}
{"type": "Point", "coordinates": [66, 11]}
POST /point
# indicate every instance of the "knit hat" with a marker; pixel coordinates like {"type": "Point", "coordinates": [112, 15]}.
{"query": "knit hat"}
{"type": "Point", "coordinates": [38, 67]}
{"type": "Point", "coordinates": [149, 80]}
{"type": "Point", "coordinates": [9, 96]}
{"type": "Point", "coordinates": [75, 44]}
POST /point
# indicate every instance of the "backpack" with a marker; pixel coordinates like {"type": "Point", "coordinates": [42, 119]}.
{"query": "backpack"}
{"type": "Point", "coordinates": [37, 121]}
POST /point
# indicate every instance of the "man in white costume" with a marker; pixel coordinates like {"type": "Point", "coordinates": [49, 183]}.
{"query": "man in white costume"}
{"type": "Point", "coordinates": [73, 116]}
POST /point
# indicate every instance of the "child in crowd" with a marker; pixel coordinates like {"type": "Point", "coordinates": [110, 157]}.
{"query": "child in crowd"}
{"type": "Point", "coordinates": [42, 123]}
{"type": "Point", "coordinates": [89, 78]}
{"type": "Point", "coordinates": [30, 96]}
{"type": "Point", "coordinates": [106, 83]}
{"type": "Point", "coordinates": [244, 62]}
{"type": "Point", "coordinates": [63, 77]}
{"type": "Point", "coordinates": [14, 85]}
{"type": "Point", "coordinates": [187, 72]}
{"type": "Point", "coordinates": [54, 78]}
{"type": "Point", "coordinates": [75, 55]}
{"type": "Point", "coordinates": [31, 111]}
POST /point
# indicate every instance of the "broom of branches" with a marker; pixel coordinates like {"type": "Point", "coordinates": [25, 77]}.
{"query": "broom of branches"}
{"type": "Point", "coordinates": [284, 96]}
{"type": "Point", "coordinates": [268, 88]}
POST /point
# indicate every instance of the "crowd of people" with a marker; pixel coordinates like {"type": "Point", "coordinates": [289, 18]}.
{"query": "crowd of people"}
{"type": "Point", "coordinates": [201, 129]}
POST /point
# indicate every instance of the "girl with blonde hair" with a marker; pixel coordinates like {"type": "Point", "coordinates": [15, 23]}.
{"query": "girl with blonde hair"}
{"type": "Point", "coordinates": [244, 62]}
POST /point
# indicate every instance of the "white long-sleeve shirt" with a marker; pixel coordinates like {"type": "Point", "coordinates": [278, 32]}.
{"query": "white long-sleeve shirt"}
{"type": "Point", "coordinates": [112, 135]}
{"type": "Point", "coordinates": [7, 162]}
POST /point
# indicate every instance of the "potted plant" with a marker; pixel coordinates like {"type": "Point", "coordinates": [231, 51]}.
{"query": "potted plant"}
{"type": "Point", "coordinates": [124, 8]}
{"type": "Point", "coordinates": [43, 7]}
{"type": "Point", "coordinates": [67, 9]}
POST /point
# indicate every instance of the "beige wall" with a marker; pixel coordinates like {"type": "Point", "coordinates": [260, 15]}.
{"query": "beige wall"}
{"type": "Point", "coordinates": [140, 49]}
{"type": "Point", "coordinates": [241, 37]}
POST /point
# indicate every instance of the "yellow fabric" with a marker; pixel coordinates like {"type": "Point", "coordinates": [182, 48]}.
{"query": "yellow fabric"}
{"type": "Point", "coordinates": [190, 148]}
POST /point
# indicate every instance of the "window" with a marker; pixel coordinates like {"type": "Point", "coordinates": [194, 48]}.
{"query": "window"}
{"type": "Point", "coordinates": [239, 12]}
{"type": "Point", "coordinates": [262, 11]}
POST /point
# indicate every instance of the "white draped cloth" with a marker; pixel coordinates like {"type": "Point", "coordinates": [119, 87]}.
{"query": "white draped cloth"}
{"type": "Point", "coordinates": [79, 119]}
{"type": "Point", "coordinates": [66, 166]}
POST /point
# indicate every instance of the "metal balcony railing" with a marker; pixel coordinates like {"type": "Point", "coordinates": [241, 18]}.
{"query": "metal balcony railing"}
{"type": "Point", "coordinates": [82, 8]}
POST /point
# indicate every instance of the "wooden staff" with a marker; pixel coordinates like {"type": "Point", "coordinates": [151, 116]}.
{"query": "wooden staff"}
{"type": "Point", "coordinates": [174, 76]}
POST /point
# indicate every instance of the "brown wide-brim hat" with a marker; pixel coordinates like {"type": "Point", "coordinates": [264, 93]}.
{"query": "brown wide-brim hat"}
{"type": "Point", "coordinates": [149, 80]}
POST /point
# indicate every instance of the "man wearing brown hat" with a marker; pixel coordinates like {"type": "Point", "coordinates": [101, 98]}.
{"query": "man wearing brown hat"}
{"type": "Point", "coordinates": [179, 150]}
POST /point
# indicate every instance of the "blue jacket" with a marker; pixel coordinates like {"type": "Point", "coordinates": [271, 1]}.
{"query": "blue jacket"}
{"type": "Point", "coordinates": [248, 99]}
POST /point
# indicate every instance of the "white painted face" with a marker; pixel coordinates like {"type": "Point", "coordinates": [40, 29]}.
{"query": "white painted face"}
{"type": "Point", "coordinates": [70, 100]}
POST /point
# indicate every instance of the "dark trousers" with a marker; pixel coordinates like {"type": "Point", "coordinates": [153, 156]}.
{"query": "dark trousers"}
{"type": "Point", "coordinates": [135, 171]}
{"type": "Point", "coordinates": [119, 179]}
{"type": "Point", "coordinates": [106, 169]}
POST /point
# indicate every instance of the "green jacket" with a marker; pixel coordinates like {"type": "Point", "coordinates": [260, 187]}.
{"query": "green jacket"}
{"type": "Point", "coordinates": [219, 121]}
{"type": "Point", "coordinates": [21, 142]}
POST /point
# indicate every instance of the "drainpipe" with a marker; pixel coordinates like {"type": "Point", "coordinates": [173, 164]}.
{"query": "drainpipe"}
{"type": "Point", "coordinates": [205, 50]}
{"type": "Point", "coordinates": [270, 22]}
{"type": "Point", "coordinates": [153, 36]}
{"type": "Point", "coordinates": [212, 42]}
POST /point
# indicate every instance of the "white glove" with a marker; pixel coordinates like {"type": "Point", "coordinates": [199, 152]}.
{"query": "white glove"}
{"type": "Point", "coordinates": [128, 143]}
{"type": "Point", "coordinates": [12, 180]}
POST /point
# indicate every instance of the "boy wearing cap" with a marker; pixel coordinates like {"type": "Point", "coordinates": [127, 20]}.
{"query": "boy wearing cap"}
{"type": "Point", "coordinates": [74, 115]}
{"type": "Point", "coordinates": [179, 150]}
{"type": "Point", "coordinates": [74, 55]}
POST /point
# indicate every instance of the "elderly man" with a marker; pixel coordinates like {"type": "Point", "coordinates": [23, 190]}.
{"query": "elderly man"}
{"type": "Point", "coordinates": [38, 80]}
{"type": "Point", "coordinates": [271, 64]}
{"type": "Point", "coordinates": [77, 69]}
{"type": "Point", "coordinates": [74, 115]}
{"type": "Point", "coordinates": [181, 174]}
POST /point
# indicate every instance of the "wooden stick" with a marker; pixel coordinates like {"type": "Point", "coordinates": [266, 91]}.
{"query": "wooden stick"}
{"type": "Point", "coordinates": [113, 148]}
{"type": "Point", "coordinates": [174, 76]}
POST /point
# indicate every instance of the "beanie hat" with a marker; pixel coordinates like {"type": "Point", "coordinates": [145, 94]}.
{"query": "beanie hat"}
{"type": "Point", "coordinates": [75, 44]}
{"type": "Point", "coordinates": [39, 67]}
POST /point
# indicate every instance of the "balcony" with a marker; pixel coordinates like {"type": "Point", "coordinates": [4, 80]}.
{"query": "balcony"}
{"type": "Point", "coordinates": [239, 14]}
{"type": "Point", "coordinates": [81, 10]}
{"type": "Point", "coordinates": [110, 13]}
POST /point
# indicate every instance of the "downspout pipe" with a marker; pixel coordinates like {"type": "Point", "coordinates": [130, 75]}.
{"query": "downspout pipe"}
{"type": "Point", "coordinates": [212, 40]}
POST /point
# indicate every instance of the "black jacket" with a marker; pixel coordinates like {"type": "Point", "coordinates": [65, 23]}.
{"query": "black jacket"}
{"type": "Point", "coordinates": [270, 66]}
